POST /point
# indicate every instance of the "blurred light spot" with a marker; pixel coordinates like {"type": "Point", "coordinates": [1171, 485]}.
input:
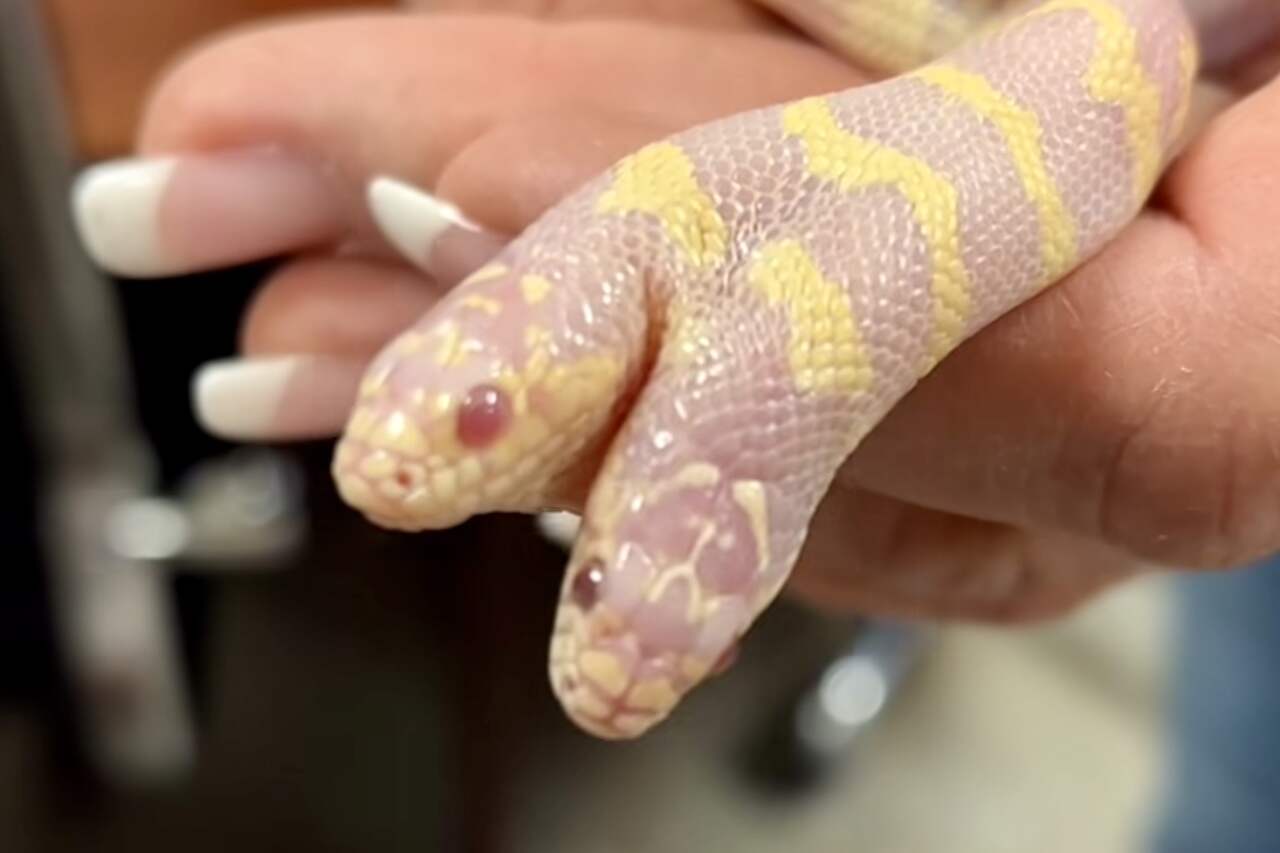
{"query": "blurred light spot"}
{"type": "Point", "coordinates": [148, 529]}
{"type": "Point", "coordinates": [854, 692]}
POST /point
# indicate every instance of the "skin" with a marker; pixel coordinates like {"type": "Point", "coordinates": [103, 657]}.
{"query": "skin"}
{"type": "Point", "coordinates": [1157, 445]}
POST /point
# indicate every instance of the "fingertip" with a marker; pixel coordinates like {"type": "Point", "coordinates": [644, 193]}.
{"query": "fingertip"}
{"type": "Point", "coordinates": [342, 307]}
{"type": "Point", "coordinates": [237, 399]}
{"type": "Point", "coordinates": [561, 528]}
{"type": "Point", "coordinates": [411, 219]}
{"type": "Point", "coordinates": [155, 217]}
{"type": "Point", "coordinates": [274, 399]}
{"type": "Point", "coordinates": [115, 207]}
{"type": "Point", "coordinates": [431, 233]}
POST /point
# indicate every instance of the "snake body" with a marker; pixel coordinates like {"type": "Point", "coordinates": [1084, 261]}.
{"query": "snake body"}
{"type": "Point", "coordinates": [709, 329]}
{"type": "Point", "coordinates": [889, 35]}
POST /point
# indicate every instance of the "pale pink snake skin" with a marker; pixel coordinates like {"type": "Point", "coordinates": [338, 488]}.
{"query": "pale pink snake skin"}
{"type": "Point", "coordinates": [723, 316]}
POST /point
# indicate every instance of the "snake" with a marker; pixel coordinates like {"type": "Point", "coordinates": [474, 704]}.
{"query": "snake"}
{"type": "Point", "coordinates": [701, 335]}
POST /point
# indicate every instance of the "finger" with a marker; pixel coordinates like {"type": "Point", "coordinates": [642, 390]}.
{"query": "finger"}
{"type": "Point", "coordinates": [432, 234]}
{"type": "Point", "coordinates": [171, 215]}
{"type": "Point", "coordinates": [690, 291]}
{"type": "Point", "coordinates": [868, 553]}
{"type": "Point", "coordinates": [174, 215]}
{"type": "Point", "coordinates": [308, 336]}
{"type": "Point", "coordinates": [1158, 435]}
{"type": "Point", "coordinates": [536, 153]}
{"type": "Point", "coordinates": [717, 14]}
{"type": "Point", "coordinates": [545, 156]}
{"type": "Point", "coordinates": [889, 37]}
{"type": "Point", "coordinates": [1232, 31]}
{"type": "Point", "coordinates": [314, 326]}
{"type": "Point", "coordinates": [341, 307]}
{"type": "Point", "coordinates": [262, 144]}
{"type": "Point", "coordinates": [275, 398]}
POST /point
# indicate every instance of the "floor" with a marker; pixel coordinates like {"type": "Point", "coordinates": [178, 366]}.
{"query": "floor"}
{"type": "Point", "coordinates": [329, 724]}
{"type": "Point", "coordinates": [1045, 740]}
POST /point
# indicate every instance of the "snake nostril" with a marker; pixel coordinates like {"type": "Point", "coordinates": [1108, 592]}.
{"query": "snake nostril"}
{"type": "Point", "coordinates": [483, 416]}
{"type": "Point", "coordinates": [585, 588]}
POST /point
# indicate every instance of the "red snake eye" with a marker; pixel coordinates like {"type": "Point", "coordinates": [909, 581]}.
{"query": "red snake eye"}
{"type": "Point", "coordinates": [483, 417]}
{"type": "Point", "coordinates": [586, 584]}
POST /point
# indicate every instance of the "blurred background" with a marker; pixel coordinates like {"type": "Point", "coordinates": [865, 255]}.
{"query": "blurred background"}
{"type": "Point", "coordinates": [200, 647]}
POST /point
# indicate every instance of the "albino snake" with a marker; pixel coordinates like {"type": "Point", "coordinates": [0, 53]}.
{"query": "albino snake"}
{"type": "Point", "coordinates": [723, 316]}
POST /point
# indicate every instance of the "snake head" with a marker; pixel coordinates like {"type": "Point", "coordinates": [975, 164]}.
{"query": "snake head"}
{"type": "Point", "coordinates": [478, 408]}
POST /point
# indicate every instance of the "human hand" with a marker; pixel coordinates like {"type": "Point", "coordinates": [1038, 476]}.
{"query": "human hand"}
{"type": "Point", "coordinates": [1019, 508]}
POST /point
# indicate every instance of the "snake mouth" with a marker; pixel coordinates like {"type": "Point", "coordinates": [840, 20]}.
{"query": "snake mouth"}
{"type": "Point", "coordinates": [604, 700]}
{"type": "Point", "coordinates": [402, 492]}
{"type": "Point", "coordinates": [609, 687]}
{"type": "Point", "coordinates": [620, 723]}
{"type": "Point", "coordinates": [610, 682]}
{"type": "Point", "coordinates": [411, 472]}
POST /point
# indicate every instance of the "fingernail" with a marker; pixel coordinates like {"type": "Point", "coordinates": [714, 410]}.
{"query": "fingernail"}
{"type": "Point", "coordinates": [276, 399]}
{"type": "Point", "coordinates": [429, 232]}
{"type": "Point", "coordinates": [172, 215]}
{"type": "Point", "coordinates": [116, 207]}
{"type": "Point", "coordinates": [561, 528]}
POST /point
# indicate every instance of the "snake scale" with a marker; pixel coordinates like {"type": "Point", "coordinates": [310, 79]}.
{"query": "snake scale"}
{"type": "Point", "coordinates": [704, 333]}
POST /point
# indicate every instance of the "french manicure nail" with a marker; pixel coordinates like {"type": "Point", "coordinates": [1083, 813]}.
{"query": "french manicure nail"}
{"type": "Point", "coordinates": [116, 208]}
{"type": "Point", "coordinates": [429, 232]}
{"type": "Point", "coordinates": [560, 527]}
{"type": "Point", "coordinates": [276, 398]}
{"type": "Point", "coordinates": [172, 215]}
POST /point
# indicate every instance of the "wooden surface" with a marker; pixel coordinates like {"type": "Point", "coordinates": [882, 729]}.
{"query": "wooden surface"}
{"type": "Point", "coordinates": [112, 51]}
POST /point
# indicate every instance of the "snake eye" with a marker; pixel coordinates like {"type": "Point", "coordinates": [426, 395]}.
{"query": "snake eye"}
{"type": "Point", "coordinates": [586, 584]}
{"type": "Point", "coordinates": [483, 416]}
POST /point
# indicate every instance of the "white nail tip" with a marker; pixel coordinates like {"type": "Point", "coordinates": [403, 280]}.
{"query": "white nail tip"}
{"type": "Point", "coordinates": [560, 527]}
{"type": "Point", "coordinates": [240, 399]}
{"type": "Point", "coordinates": [116, 209]}
{"type": "Point", "coordinates": [410, 219]}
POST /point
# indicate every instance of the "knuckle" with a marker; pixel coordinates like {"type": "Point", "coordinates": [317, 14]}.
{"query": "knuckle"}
{"type": "Point", "coordinates": [1038, 578]}
{"type": "Point", "coordinates": [1201, 497]}
{"type": "Point", "coordinates": [201, 90]}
